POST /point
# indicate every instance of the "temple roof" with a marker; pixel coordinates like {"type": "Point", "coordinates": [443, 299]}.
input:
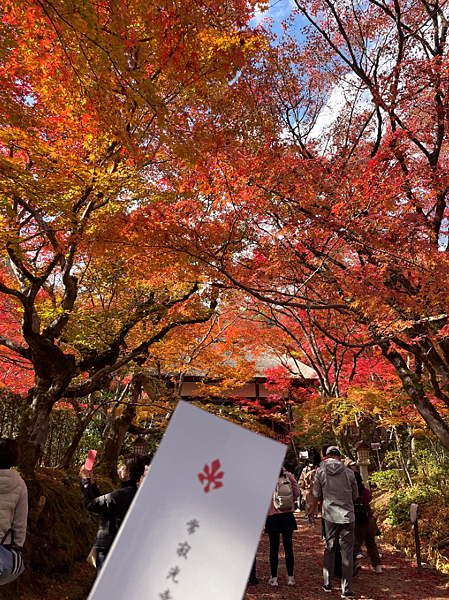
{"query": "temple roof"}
{"type": "Point", "coordinates": [265, 360]}
{"type": "Point", "coordinates": [295, 367]}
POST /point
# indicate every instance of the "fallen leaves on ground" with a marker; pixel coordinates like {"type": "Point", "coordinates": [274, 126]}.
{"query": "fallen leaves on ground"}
{"type": "Point", "coordinates": [399, 580]}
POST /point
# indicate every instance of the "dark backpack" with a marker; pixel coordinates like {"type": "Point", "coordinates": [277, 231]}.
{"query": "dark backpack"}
{"type": "Point", "coordinates": [361, 510]}
{"type": "Point", "coordinates": [283, 494]}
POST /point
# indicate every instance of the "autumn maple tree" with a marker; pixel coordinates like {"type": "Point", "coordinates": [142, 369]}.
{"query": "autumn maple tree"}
{"type": "Point", "coordinates": [158, 155]}
{"type": "Point", "coordinates": [95, 98]}
{"type": "Point", "coordinates": [336, 198]}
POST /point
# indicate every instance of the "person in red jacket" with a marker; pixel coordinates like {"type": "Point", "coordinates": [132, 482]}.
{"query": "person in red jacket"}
{"type": "Point", "coordinates": [282, 522]}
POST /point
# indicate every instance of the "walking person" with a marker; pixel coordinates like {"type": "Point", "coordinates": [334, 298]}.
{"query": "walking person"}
{"type": "Point", "coordinates": [351, 464]}
{"type": "Point", "coordinates": [281, 521]}
{"type": "Point", "coordinates": [113, 506]}
{"type": "Point", "coordinates": [306, 486]}
{"type": "Point", "coordinates": [298, 470]}
{"type": "Point", "coordinates": [366, 525]}
{"type": "Point", "coordinates": [336, 486]}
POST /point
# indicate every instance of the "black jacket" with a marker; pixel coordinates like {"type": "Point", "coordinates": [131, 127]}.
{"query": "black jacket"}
{"type": "Point", "coordinates": [112, 507]}
{"type": "Point", "coordinates": [298, 470]}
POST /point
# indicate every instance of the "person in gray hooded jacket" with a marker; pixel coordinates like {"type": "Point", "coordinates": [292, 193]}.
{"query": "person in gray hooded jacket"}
{"type": "Point", "coordinates": [336, 486]}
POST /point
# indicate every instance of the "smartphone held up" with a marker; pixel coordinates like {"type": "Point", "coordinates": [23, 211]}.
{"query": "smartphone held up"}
{"type": "Point", "coordinates": [91, 458]}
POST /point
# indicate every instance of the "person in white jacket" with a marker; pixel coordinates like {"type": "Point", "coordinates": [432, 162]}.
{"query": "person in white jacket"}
{"type": "Point", "coordinates": [13, 512]}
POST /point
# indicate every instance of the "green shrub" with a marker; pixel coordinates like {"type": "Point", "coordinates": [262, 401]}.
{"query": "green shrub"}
{"type": "Point", "coordinates": [398, 510]}
{"type": "Point", "coordinates": [388, 481]}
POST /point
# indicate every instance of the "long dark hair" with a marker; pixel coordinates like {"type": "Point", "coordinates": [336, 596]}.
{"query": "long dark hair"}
{"type": "Point", "coordinates": [360, 484]}
{"type": "Point", "coordinates": [288, 466]}
{"type": "Point", "coordinates": [9, 453]}
{"type": "Point", "coordinates": [135, 463]}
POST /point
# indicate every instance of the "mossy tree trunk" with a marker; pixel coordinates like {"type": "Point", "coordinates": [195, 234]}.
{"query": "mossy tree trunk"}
{"type": "Point", "coordinates": [54, 370]}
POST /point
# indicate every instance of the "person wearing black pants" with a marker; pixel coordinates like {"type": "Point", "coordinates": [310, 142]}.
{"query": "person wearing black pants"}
{"type": "Point", "coordinates": [252, 579]}
{"type": "Point", "coordinates": [287, 540]}
{"type": "Point", "coordinates": [336, 486]}
{"type": "Point", "coordinates": [282, 522]}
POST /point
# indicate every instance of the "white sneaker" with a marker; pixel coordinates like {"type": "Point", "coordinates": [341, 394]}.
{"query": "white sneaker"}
{"type": "Point", "coordinates": [291, 580]}
{"type": "Point", "coordinates": [273, 581]}
{"type": "Point", "coordinates": [377, 569]}
{"type": "Point", "coordinates": [359, 555]}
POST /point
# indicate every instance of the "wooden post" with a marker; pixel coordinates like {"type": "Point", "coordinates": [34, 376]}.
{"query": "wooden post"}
{"type": "Point", "coordinates": [418, 547]}
{"type": "Point", "coordinates": [414, 520]}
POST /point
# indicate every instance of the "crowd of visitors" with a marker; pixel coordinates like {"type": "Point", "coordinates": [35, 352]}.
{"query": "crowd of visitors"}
{"type": "Point", "coordinates": [347, 521]}
{"type": "Point", "coordinates": [329, 485]}
{"type": "Point", "coordinates": [333, 485]}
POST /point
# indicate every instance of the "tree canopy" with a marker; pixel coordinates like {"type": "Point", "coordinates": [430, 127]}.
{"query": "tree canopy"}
{"type": "Point", "coordinates": [338, 205]}
{"type": "Point", "coordinates": [97, 100]}
{"type": "Point", "coordinates": [153, 157]}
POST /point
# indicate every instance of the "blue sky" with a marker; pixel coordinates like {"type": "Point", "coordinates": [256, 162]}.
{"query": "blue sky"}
{"type": "Point", "coordinates": [278, 11]}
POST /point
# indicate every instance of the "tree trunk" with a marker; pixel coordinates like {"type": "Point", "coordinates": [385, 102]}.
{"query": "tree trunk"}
{"type": "Point", "coordinates": [79, 431]}
{"type": "Point", "coordinates": [54, 371]}
{"type": "Point", "coordinates": [410, 445]}
{"type": "Point", "coordinates": [120, 426]}
{"type": "Point", "coordinates": [344, 443]}
{"type": "Point", "coordinates": [49, 444]}
{"type": "Point", "coordinates": [118, 398]}
{"type": "Point", "coordinates": [413, 387]}
{"type": "Point", "coordinates": [401, 457]}
{"type": "Point", "coordinates": [33, 429]}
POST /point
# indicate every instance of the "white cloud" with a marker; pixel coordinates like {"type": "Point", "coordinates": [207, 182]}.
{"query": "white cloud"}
{"type": "Point", "coordinates": [343, 95]}
{"type": "Point", "coordinates": [278, 11]}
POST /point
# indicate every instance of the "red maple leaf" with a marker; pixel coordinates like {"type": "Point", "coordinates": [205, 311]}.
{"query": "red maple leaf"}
{"type": "Point", "coordinates": [211, 475]}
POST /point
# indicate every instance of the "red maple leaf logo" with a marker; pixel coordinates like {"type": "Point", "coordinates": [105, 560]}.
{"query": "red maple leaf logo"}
{"type": "Point", "coordinates": [211, 475]}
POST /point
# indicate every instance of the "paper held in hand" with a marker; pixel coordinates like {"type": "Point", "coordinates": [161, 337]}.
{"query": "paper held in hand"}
{"type": "Point", "coordinates": [193, 528]}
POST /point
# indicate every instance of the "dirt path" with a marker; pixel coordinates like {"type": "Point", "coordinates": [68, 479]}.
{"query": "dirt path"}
{"type": "Point", "coordinates": [399, 580]}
